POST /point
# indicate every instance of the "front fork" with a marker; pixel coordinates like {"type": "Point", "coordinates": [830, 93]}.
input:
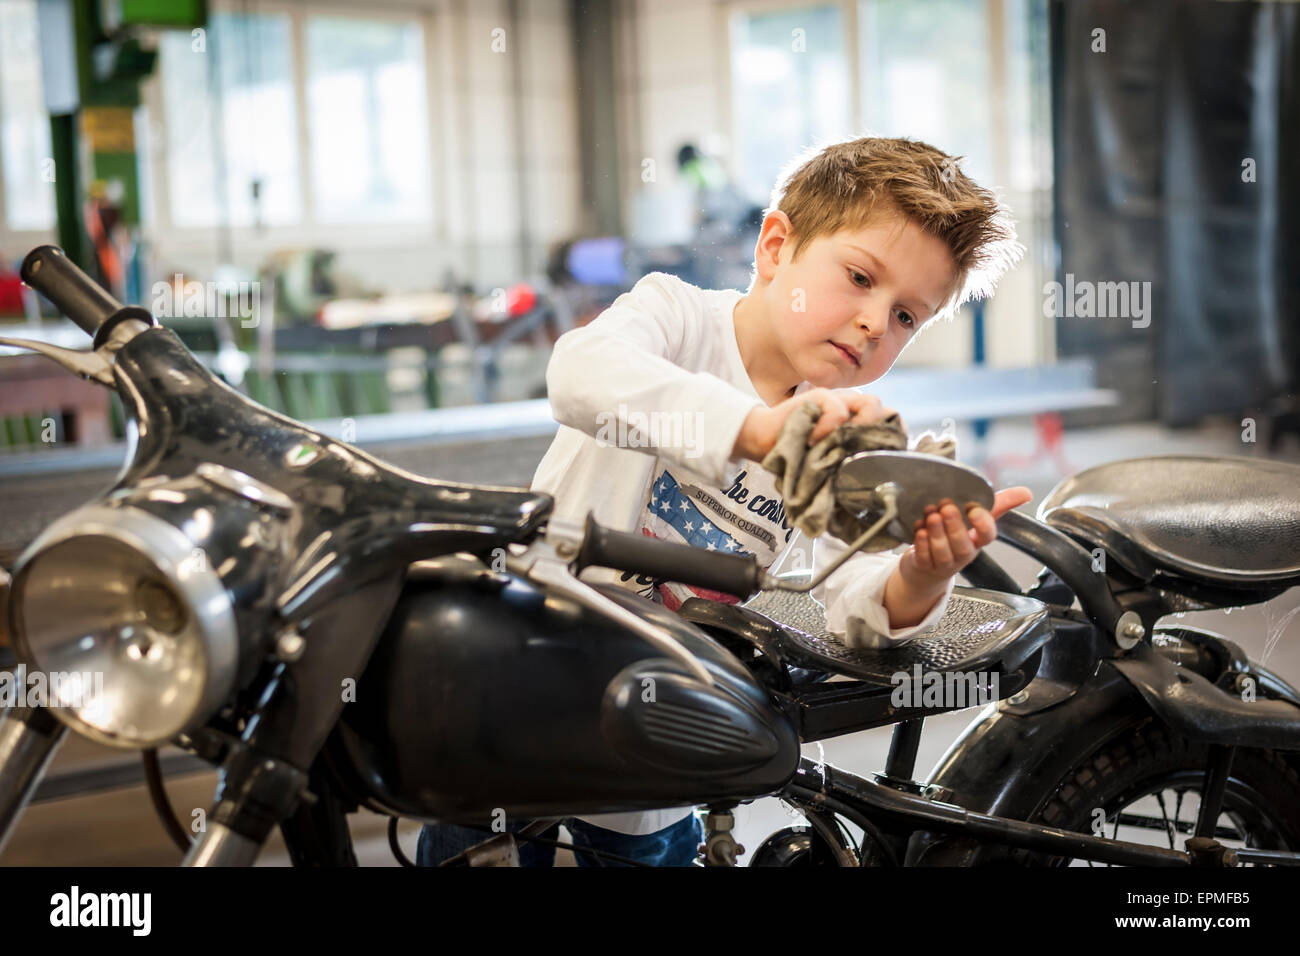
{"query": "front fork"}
{"type": "Point", "coordinates": [261, 786]}
{"type": "Point", "coordinates": [29, 736]}
{"type": "Point", "coordinates": [219, 845]}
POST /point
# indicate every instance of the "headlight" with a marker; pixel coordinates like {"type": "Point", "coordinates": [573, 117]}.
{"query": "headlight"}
{"type": "Point", "coordinates": [121, 593]}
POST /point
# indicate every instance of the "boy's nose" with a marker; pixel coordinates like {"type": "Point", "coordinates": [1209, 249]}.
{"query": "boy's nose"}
{"type": "Point", "coordinates": [873, 323]}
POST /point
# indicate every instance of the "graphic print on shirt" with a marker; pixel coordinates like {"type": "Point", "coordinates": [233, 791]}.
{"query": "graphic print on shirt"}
{"type": "Point", "coordinates": [747, 517]}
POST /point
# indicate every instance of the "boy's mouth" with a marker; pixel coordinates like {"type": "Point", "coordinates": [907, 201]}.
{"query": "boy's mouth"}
{"type": "Point", "coordinates": [849, 353]}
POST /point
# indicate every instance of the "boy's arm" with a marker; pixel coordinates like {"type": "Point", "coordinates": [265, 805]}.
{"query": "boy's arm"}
{"type": "Point", "coordinates": [609, 377]}
{"type": "Point", "coordinates": [861, 606]}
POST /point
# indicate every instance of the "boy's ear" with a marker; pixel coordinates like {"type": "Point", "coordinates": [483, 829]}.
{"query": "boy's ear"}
{"type": "Point", "coordinates": [775, 234]}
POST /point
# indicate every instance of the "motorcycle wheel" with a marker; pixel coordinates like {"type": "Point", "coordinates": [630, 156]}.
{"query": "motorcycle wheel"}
{"type": "Point", "coordinates": [1148, 781]}
{"type": "Point", "coordinates": [794, 846]}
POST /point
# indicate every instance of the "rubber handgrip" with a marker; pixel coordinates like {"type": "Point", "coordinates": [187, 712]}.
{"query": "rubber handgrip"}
{"type": "Point", "coordinates": [729, 573]}
{"type": "Point", "coordinates": [47, 270]}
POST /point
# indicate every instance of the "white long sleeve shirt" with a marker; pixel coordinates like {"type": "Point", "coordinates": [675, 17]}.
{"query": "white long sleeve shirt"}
{"type": "Point", "coordinates": [650, 397]}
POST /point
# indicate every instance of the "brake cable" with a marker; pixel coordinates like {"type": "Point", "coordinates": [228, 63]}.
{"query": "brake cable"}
{"type": "Point", "coordinates": [162, 805]}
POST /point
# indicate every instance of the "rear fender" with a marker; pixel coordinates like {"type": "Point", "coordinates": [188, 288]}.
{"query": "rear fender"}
{"type": "Point", "coordinates": [1006, 760]}
{"type": "Point", "coordinates": [1195, 707]}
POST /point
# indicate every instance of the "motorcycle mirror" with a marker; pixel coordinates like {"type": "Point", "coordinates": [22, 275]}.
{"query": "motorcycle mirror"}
{"type": "Point", "coordinates": [918, 480]}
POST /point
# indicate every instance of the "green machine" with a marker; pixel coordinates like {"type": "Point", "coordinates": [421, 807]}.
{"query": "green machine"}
{"type": "Point", "coordinates": [92, 65]}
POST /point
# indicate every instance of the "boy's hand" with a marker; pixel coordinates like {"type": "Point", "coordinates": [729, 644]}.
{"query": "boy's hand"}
{"type": "Point", "coordinates": [943, 545]}
{"type": "Point", "coordinates": [763, 425]}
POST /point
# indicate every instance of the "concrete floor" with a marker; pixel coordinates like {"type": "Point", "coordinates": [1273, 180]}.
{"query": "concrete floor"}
{"type": "Point", "coordinates": [118, 827]}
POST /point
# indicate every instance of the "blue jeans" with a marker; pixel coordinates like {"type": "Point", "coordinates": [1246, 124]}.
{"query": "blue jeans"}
{"type": "Point", "coordinates": [675, 845]}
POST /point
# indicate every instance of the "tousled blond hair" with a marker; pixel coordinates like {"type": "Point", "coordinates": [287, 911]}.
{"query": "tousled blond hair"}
{"type": "Point", "coordinates": [851, 184]}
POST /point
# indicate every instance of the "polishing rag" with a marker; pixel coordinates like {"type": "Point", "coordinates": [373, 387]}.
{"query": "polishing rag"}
{"type": "Point", "coordinates": [804, 475]}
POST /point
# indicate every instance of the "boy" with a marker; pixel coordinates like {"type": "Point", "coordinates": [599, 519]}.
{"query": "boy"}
{"type": "Point", "coordinates": [864, 242]}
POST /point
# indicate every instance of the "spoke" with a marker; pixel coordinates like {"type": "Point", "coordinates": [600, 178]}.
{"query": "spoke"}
{"type": "Point", "coordinates": [1229, 825]}
{"type": "Point", "coordinates": [1170, 829]}
{"type": "Point", "coordinates": [1145, 822]}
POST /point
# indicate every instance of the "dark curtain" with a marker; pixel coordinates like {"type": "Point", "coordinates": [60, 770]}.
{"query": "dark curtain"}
{"type": "Point", "coordinates": [1177, 162]}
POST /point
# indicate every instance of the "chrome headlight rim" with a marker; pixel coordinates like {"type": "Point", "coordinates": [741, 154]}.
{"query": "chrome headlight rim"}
{"type": "Point", "coordinates": [171, 553]}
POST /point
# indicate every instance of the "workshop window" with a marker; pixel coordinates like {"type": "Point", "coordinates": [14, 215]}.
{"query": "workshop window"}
{"type": "Point", "coordinates": [232, 141]}
{"type": "Point", "coordinates": [25, 158]}
{"type": "Point", "coordinates": [366, 108]}
{"type": "Point", "coordinates": [926, 71]}
{"type": "Point", "coordinates": [920, 64]}
{"type": "Point", "coordinates": [790, 83]}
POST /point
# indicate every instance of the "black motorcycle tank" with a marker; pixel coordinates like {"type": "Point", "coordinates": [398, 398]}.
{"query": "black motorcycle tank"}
{"type": "Point", "coordinates": [489, 695]}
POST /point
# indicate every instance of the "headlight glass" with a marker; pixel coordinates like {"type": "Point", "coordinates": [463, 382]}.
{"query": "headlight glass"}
{"type": "Point", "coordinates": [120, 598]}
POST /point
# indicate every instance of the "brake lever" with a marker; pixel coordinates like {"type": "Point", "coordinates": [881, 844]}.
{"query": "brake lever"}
{"type": "Point", "coordinates": [95, 364]}
{"type": "Point", "coordinates": [546, 562]}
{"type": "Point", "coordinates": [90, 365]}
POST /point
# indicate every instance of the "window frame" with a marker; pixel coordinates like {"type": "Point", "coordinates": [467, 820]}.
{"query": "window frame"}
{"type": "Point", "coordinates": [307, 229]}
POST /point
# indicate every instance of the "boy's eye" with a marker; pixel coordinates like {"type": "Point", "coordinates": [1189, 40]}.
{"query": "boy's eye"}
{"type": "Point", "coordinates": [907, 321]}
{"type": "Point", "coordinates": [859, 279]}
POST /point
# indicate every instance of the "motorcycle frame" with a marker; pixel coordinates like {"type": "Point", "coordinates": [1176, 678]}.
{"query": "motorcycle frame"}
{"type": "Point", "coordinates": [894, 802]}
{"type": "Point", "coordinates": [316, 833]}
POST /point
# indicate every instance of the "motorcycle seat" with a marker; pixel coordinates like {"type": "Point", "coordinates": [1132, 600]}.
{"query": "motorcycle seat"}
{"type": "Point", "coordinates": [980, 631]}
{"type": "Point", "coordinates": [1221, 522]}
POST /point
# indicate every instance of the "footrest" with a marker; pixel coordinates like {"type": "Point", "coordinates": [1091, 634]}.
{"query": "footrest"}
{"type": "Point", "coordinates": [980, 631]}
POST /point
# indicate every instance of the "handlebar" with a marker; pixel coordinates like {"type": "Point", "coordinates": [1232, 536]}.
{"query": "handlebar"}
{"type": "Point", "coordinates": [735, 574]}
{"type": "Point", "coordinates": [51, 273]}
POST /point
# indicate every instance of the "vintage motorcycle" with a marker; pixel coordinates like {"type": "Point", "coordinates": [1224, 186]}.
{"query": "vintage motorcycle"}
{"type": "Point", "coordinates": [333, 632]}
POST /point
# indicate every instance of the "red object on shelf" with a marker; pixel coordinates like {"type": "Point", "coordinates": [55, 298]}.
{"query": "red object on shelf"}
{"type": "Point", "coordinates": [11, 294]}
{"type": "Point", "coordinates": [520, 299]}
{"type": "Point", "coordinates": [1049, 430]}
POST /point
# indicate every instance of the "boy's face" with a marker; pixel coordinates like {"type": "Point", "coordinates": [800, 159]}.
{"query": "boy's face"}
{"type": "Point", "coordinates": [844, 310]}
